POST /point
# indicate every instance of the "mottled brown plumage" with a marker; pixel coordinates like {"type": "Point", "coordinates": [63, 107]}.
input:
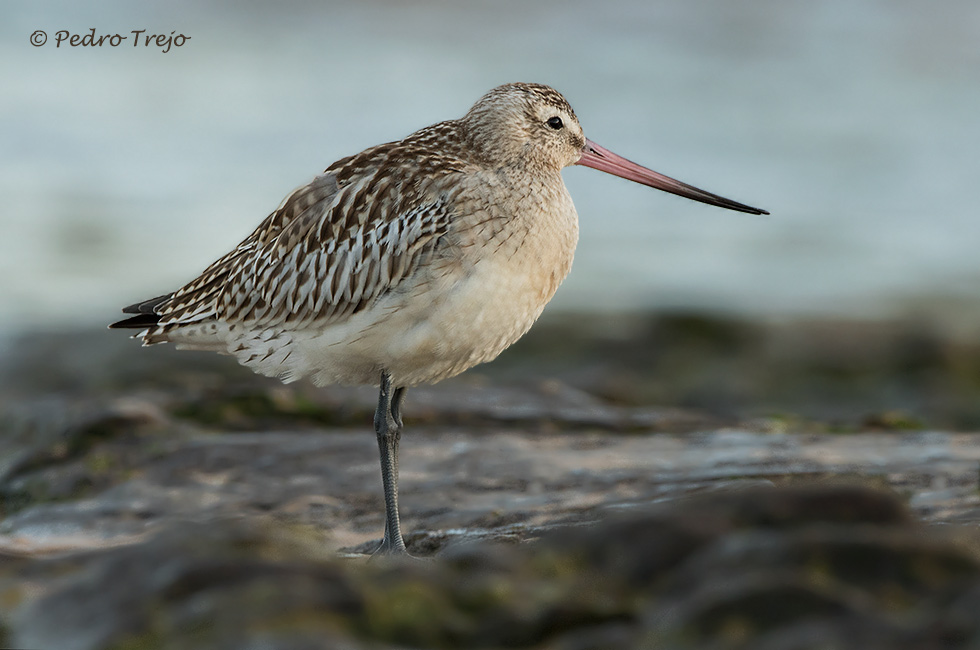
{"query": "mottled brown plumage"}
{"type": "Point", "coordinates": [406, 263]}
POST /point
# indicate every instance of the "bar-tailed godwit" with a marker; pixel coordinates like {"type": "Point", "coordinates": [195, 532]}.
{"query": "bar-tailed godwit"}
{"type": "Point", "coordinates": [405, 264]}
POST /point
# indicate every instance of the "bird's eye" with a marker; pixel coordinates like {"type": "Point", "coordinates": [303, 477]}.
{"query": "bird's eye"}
{"type": "Point", "coordinates": [555, 123]}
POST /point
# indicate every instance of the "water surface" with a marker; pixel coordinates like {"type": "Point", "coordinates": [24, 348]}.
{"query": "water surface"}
{"type": "Point", "coordinates": [124, 171]}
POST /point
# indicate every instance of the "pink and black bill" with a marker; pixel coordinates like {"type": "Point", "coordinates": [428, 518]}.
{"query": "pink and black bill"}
{"type": "Point", "coordinates": [600, 158]}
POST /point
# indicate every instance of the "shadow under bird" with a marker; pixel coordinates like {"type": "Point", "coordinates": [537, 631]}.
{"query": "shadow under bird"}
{"type": "Point", "coordinates": [404, 264]}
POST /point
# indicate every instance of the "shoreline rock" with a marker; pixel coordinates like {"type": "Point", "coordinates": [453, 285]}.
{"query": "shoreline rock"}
{"type": "Point", "coordinates": [213, 508]}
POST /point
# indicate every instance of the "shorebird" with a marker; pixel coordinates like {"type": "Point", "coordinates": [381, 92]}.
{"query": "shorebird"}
{"type": "Point", "coordinates": [404, 264]}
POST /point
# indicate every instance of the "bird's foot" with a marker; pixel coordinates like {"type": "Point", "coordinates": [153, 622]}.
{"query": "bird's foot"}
{"type": "Point", "coordinates": [391, 550]}
{"type": "Point", "coordinates": [388, 547]}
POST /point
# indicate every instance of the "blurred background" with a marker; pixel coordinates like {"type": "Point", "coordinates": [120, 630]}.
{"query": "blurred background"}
{"type": "Point", "coordinates": [125, 171]}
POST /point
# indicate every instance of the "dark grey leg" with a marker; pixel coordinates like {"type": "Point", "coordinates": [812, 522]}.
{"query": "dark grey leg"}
{"type": "Point", "coordinates": [396, 408]}
{"type": "Point", "coordinates": [388, 426]}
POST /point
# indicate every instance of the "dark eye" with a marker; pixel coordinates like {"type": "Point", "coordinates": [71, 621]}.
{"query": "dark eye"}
{"type": "Point", "coordinates": [555, 123]}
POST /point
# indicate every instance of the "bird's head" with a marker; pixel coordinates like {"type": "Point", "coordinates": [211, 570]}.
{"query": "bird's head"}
{"type": "Point", "coordinates": [533, 126]}
{"type": "Point", "coordinates": [525, 124]}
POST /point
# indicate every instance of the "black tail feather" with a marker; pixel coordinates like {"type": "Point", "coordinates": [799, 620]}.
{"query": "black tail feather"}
{"type": "Point", "coordinates": [147, 306]}
{"type": "Point", "coordinates": [136, 322]}
{"type": "Point", "coordinates": [146, 314]}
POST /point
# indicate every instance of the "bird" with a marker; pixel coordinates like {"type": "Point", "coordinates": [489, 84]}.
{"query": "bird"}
{"type": "Point", "coordinates": [404, 264]}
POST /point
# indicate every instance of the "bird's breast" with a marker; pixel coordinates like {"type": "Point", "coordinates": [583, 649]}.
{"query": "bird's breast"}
{"type": "Point", "coordinates": [512, 257]}
{"type": "Point", "coordinates": [519, 239]}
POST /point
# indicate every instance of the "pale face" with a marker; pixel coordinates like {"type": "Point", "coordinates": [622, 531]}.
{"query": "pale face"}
{"type": "Point", "coordinates": [558, 132]}
{"type": "Point", "coordinates": [525, 124]}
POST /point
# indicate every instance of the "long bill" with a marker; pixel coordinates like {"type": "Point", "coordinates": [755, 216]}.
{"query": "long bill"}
{"type": "Point", "coordinates": [604, 160]}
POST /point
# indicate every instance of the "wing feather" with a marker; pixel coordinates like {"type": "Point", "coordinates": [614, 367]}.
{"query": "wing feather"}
{"type": "Point", "coordinates": [331, 248]}
{"type": "Point", "coordinates": [286, 275]}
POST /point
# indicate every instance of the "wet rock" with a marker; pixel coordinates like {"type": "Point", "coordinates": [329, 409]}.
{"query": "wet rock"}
{"type": "Point", "coordinates": [842, 566]}
{"type": "Point", "coordinates": [560, 506]}
{"type": "Point", "coordinates": [109, 471]}
{"type": "Point", "coordinates": [45, 441]}
{"type": "Point", "coordinates": [175, 586]}
{"type": "Point", "coordinates": [467, 402]}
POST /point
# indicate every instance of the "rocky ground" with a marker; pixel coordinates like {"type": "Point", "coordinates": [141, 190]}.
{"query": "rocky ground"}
{"type": "Point", "coordinates": [670, 482]}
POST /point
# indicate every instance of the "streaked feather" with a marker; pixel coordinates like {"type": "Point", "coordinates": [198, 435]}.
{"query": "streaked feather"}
{"type": "Point", "coordinates": [331, 248]}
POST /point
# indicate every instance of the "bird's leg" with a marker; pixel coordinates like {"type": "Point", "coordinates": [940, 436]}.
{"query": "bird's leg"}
{"type": "Point", "coordinates": [388, 426]}
{"type": "Point", "coordinates": [396, 415]}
